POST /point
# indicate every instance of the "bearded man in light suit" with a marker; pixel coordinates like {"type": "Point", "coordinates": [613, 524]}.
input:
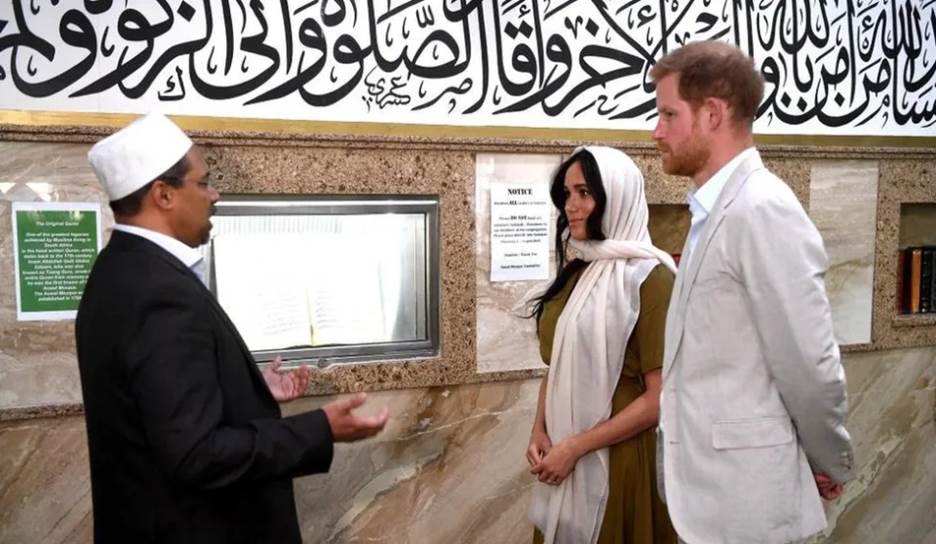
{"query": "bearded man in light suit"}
{"type": "Point", "coordinates": [754, 404]}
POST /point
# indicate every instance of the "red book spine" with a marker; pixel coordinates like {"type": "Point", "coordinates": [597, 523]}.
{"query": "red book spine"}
{"type": "Point", "coordinates": [900, 282]}
{"type": "Point", "coordinates": [916, 268]}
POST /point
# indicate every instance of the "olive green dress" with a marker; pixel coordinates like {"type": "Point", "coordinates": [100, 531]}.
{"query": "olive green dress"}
{"type": "Point", "coordinates": [634, 513]}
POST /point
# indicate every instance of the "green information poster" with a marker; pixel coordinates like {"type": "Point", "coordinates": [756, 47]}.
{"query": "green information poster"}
{"type": "Point", "coordinates": [56, 244]}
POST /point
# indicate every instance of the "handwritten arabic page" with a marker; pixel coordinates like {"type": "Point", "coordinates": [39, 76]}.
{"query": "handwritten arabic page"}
{"type": "Point", "coordinates": [259, 289]}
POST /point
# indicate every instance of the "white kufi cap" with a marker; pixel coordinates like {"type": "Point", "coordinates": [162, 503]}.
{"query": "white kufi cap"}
{"type": "Point", "coordinates": [136, 154]}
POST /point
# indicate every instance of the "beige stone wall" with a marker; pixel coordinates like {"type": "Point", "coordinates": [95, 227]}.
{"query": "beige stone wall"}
{"type": "Point", "coordinates": [450, 469]}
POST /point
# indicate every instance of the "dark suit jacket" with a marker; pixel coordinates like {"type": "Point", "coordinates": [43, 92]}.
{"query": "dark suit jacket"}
{"type": "Point", "coordinates": [186, 442]}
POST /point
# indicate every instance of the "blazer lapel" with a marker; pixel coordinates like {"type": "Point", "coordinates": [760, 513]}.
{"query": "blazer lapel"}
{"type": "Point", "coordinates": [727, 196]}
{"type": "Point", "coordinates": [674, 317]}
{"type": "Point", "coordinates": [123, 240]}
{"type": "Point", "coordinates": [248, 356]}
{"type": "Point", "coordinates": [685, 279]}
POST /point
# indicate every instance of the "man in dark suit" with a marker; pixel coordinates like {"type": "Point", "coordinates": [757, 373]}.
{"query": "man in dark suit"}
{"type": "Point", "coordinates": [185, 436]}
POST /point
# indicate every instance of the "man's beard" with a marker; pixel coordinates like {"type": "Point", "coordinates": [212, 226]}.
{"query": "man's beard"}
{"type": "Point", "coordinates": [691, 159]}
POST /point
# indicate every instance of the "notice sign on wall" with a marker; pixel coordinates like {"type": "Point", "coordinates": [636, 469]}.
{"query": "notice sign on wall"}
{"type": "Point", "coordinates": [520, 231]}
{"type": "Point", "coordinates": [55, 246]}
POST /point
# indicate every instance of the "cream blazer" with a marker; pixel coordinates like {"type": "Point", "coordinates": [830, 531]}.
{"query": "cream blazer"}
{"type": "Point", "coordinates": [753, 387]}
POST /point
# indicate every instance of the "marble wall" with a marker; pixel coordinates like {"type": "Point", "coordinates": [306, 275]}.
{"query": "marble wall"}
{"type": "Point", "coordinates": [892, 420]}
{"type": "Point", "coordinates": [37, 361]}
{"type": "Point", "coordinates": [843, 204]}
{"type": "Point", "coordinates": [481, 340]}
{"type": "Point", "coordinates": [840, 195]}
{"type": "Point", "coordinates": [506, 340]}
{"type": "Point", "coordinates": [449, 467]}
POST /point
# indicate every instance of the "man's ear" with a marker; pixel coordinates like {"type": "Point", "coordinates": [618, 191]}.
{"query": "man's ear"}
{"type": "Point", "coordinates": [162, 195]}
{"type": "Point", "coordinates": [715, 113]}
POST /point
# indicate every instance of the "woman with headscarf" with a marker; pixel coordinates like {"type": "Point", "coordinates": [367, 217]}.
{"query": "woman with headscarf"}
{"type": "Point", "coordinates": [600, 326]}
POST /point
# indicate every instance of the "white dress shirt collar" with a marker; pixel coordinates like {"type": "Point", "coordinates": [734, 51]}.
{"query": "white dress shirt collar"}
{"type": "Point", "coordinates": [190, 257]}
{"type": "Point", "coordinates": [703, 198]}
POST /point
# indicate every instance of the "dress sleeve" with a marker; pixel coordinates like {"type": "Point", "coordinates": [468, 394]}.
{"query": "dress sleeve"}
{"type": "Point", "coordinates": [649, 330]}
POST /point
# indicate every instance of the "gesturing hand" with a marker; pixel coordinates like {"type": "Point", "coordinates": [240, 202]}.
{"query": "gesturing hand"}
{"type": "Point", "coordinates": [286, 386]}
{"type": "Point", "coordinates": [347, 427]}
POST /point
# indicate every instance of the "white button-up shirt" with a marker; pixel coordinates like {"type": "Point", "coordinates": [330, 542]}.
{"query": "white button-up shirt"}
{"type": "Point", "coordinates": [702, 200]}
{"type": "Point", "coordinates": [190, 257]}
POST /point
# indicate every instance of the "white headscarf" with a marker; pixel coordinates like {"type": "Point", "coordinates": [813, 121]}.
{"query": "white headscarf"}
{"type": "Point", "coordinates": [588, 348]}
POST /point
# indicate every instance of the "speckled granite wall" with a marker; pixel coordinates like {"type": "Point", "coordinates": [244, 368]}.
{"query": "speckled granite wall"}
{"type": "Point", "coordinates": [37, 357]}
{"type": "Point", "coordinates": [901, 182]}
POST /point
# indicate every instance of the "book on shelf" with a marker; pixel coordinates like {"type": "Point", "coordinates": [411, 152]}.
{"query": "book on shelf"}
{"type": "Point", "coordinates": [901, 282]}
{"type": "Point", "coordinates": [926, 279]}
{"type": "Point", "coordinates": [916, 280]}
{"type": "Point", "coordinates": [916, 266]}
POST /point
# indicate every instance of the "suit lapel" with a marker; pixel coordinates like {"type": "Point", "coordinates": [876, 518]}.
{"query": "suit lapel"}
{"type": "Point", "coordinates": [248, 356]}
{"type": "Point", "coordinates": [674, 317]}
{"type": "Point", "coordinates": [727, 196]}
{"type": "Point", "coordinates": [123, 240]}
{"type": "Point", "coordinates": [685, 278]}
